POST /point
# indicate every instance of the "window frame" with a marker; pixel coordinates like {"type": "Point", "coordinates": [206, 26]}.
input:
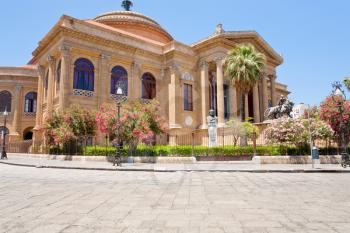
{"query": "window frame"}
{"type": "Point", "coordinates": [30, 104]}
{"type": "Point", "coordinates": [84, 75]}
{"type": "Point", "coordinates": [188, 97]}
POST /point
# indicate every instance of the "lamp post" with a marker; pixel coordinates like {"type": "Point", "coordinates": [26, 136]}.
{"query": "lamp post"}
{"type": "Point", "coordinates": [119, 94]}
{"type": "Point", "coordinates": [342, 128]}
{"type": "Point", "coordinates": [3, 151]}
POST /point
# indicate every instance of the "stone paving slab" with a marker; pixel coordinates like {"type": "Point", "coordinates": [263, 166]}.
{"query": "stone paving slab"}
{"type": "Point", "coordinates": [195, 167]}
{"type": "Point", "coordinates": [59, 201]}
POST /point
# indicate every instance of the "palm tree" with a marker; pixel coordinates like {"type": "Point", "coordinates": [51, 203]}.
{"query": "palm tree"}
{"type": "Point", "coordinates": [347, 82]}
{"type": "Point", "coordinates": [244, 66]}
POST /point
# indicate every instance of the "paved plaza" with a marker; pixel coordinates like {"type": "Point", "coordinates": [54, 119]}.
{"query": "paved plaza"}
{"type": "Point", "coordinates": [56, 200]}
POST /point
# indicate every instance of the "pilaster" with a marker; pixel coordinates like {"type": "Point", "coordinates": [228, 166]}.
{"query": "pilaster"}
{"type": "Point", "coordinates": [64, 79]}
{"type": "Point", "coordinates": [135, 81]}
{"type": "Point", "coordinates": [52, 68]}
{"type": "Point", "coordinates": [104, 77]}
{"type": "Point", "coordinates": [17, 109]}
{"type": "Point", "coordinates": [173, 96]}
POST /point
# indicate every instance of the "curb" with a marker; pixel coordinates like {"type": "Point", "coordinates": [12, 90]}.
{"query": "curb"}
{"type": "Point", "coordinates": [179, 170]}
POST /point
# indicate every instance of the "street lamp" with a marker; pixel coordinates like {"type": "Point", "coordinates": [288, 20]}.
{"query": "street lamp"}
{"type": "Point", "coordinates": [119, 94]}
{"type": "Point", "coordinates": [342, 128]}
{"type": "Point", "coordinates": [3, 151]}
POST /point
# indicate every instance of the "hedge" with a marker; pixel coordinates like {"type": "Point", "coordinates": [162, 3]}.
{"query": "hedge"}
{"type": "Point", "coordinates": [186, 151]}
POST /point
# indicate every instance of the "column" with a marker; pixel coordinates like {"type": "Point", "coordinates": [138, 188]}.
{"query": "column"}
{"type": "Point", "coordinates": [103, 81]}
{"type": "Point", "coordinates": [17, 109]}
{"type": "Point", "coordinates": [273, 90]}
{"type": "Point", "coordinates": [64, 79]}
{"type": "Point", "coordinates": [233, 102]}
{"type": "Point", "coordinates": [220, 92]}
{"type": "Point", "coordinates": [256, 104]}
{"type": "Point", "coordinates": [173, 95]}
{"type": "Point", "coordinates": [264, 93]}
{"type": "Point", "coordinates": [204, 92]}
{"type": "Point", "coordinates": [246, 106]}
{"type": "Point", "coordinates": [40, 97]}
{"type": "Point", "coordinates": [52, 68]}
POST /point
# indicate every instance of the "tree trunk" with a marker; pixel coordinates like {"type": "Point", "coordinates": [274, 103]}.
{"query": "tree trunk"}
{"type": "Point", "coordinates": [243, 141]}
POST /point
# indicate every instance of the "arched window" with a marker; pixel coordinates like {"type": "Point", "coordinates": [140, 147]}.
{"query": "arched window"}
{"type": "Point", "coordinates": [119, 76]}
{"type": "Point", "coordinates": [58, 77]}
{"type": "Point", "coordinates": [83, 75]}
{"type": "Point", "coordinates": [148, 86]}
{"type": "Point", "coordinates": [30, 102]}
{"type": "Point", "coordinates": [5, 101]}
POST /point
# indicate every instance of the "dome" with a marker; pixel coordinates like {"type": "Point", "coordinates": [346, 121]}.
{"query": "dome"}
{"type": "Point", "coordinates": [135, 23]}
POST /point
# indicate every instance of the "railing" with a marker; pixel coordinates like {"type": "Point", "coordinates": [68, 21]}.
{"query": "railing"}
{"type": "Point", "coordinates": [19, 146]}
{"type": "Point", "coordinates": [79, 92]}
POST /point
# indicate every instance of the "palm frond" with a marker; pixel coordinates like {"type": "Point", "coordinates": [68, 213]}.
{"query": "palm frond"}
{"type": "Point", "coordinates": [244, 66]}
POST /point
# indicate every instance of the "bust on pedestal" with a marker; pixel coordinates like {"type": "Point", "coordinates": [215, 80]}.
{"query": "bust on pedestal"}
{"type": "Point", "coordinates": [212, 128]}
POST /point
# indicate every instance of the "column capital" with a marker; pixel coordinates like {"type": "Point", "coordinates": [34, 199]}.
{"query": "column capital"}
{"type": "Point", "coordinates": [41, 71]}
{"type": "Point", "coordinates": [203, 64]}
{"type": "Point", "coordinates": [174, 68]}
{"type": "Point", "coordinates": [52, 61]}
{"type": "Point", "coordinates": [65, 50]}
{"type": "Point", "coordinates": [219, 61]}
{"type": "Point", "coordinates": [104, 57]}
{"type": "Point", "coordinates": [18, 88]}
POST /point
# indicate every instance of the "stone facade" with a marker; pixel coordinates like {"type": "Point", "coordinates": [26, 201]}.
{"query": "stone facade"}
{"type": "Point", "coordinates": [141, 47]}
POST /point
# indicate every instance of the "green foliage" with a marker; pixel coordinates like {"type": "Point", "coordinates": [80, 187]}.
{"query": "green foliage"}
{"type": "Point", "coordinates": [346, 82]}
{"type": "Point", "coordinates": [243, 66]}
{"type": "Point", "coordinates": [138, 122]}
{"type": "Point", "coordinates": [63, 127]}
{"type": "Point", "coordinates": [240, 129]}
{"type": "Point", "coordinates": [186, 151]}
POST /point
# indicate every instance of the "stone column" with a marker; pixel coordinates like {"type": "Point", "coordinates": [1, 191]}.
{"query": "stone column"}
{"type": "Point", "coordinates": [40, 97]}
{"type": "Point", "coordinates": [233, 102]}
{"type": "Point", "coordinates": [246, 106]}
{"type": "Point", "coordinates": [264, 93]}
{"type": "Point", "coordinates": [273, 90]}
{"type": "Point", "coordinates": [104, 80]}
{"type": "Point", "coordinates": [52, 68]}
{"type": "Point", "coordinates": [204, 93]}
{"type": "Point", "coordinates": [256, 104]}
{"type": "Point", "coordinates": [64, 79]}
{"type": "Point", "coordinates": [220, 92]}
{"type": "Point", "coordinates": [173, 95]}
{"type": "Point", "coordinates": [17, 109]}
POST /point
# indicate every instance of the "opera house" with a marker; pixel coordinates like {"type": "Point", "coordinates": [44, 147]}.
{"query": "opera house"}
{"type": "Point", "coordinates": [79, 62]}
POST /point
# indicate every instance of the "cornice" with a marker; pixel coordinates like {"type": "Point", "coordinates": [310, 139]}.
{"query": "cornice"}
{"type": "Point", "coordinates": [239, 35]}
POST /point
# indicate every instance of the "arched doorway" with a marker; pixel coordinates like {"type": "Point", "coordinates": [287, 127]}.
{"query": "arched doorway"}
{"type": "Point", "coordinates": [28, 134]}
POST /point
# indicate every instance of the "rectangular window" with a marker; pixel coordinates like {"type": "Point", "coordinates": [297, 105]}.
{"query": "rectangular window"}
{"type": "Point", "coordinates": [188, 97]}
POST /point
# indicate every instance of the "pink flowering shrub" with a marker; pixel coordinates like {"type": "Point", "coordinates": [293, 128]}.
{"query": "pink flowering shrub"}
{"type": "Point", "coordinates": [286, 131]}
{"type": "Point", "coordinates": [75, 123]}
{"type": "Point", "coordinates": [330, 113]}
{"type": "Point", "coordinates": [138, 122]}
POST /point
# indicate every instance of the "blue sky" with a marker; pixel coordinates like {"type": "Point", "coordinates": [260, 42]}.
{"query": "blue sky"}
{"type": "Point", "coordinates": [312, 36]}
